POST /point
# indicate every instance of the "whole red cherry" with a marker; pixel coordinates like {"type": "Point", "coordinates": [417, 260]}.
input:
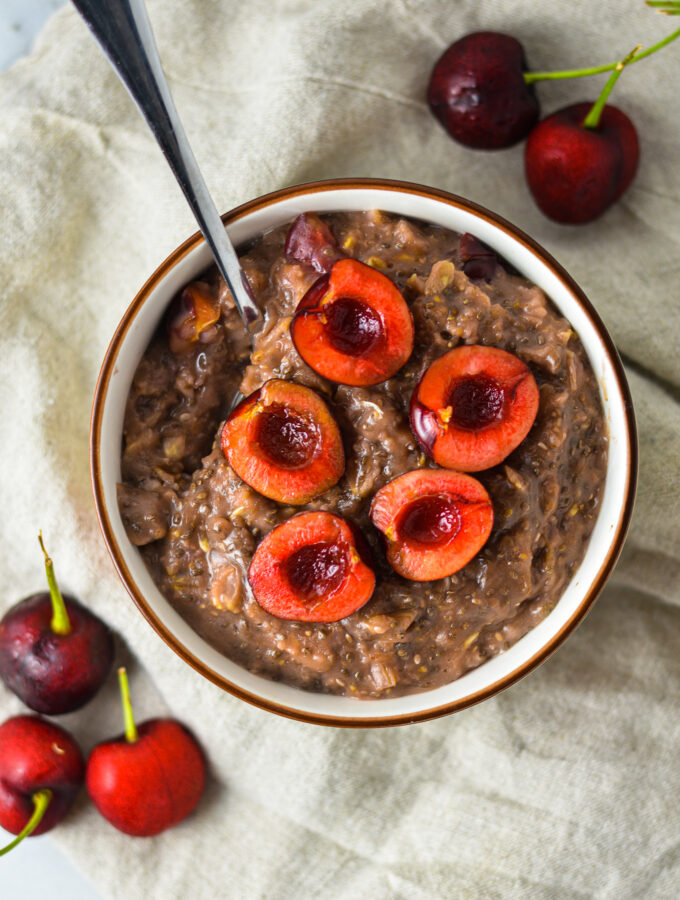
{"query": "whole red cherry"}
{"type": "Point", "coordinates": [478, 92]}
{"type": "Point", "coordinates": [149, 778]}
{"type": "Point", "coordinates": [581, 159]}
{"type": "Point", "coordinates": [54, 653]}
{"type": "Point", "coordinates": [483, 94]}
{"type": "Point", "coordinates": [41, 770]}
{"type": "Point", "coordinates": [575, 172]}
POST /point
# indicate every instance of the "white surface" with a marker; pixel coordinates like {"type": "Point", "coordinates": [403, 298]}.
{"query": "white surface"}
{"type": "Point", "coordinates": [526, 261]}
{"type": "Point", "coordinates": [38, 870]}
{"type": "Point", "coordinates": [37, 863]}
{"type": "Point", "coordinates": [20, 21]}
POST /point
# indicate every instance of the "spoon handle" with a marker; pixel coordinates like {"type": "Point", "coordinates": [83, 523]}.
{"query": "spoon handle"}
{"type": "Point", "coordinates": [123, 29]}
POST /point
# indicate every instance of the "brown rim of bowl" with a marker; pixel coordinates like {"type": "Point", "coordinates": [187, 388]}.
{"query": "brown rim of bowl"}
{"type": "Point", "coordinates": [369, 722]}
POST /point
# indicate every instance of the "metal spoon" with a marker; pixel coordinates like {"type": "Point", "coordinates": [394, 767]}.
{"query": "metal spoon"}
{"type": "Point", "coordinates": [123, 29]}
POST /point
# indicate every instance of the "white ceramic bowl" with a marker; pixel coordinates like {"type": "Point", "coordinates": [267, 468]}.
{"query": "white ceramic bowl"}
{"type": "Point", "coordinates": [245, 223]}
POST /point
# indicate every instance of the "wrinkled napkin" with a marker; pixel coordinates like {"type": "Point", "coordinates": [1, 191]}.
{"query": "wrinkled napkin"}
{"type": "Point", "coordinates": [566, 784]}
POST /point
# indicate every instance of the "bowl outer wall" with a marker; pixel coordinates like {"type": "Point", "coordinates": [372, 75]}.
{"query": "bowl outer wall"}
{"type": "Point", "coordinates": [447, 210]}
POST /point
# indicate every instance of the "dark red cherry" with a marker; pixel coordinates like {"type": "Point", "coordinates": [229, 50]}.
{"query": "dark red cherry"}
{"type": "Point", "coordinates": [575, 173]}
{"type": "Point", "coordinates": [479, 261]}
{"type": "Point", "coordinates": [478, 93]}
{"type": "Point", "coordinates": [54, 653]}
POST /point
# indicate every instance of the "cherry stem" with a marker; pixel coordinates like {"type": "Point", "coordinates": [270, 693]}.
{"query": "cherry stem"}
{"type": "Point", "coordinates": [60, 623]}
{"type": "Point", "coordinates": [531, 77]}
{"type": "Point", "coordinates": [592, 120]}
{"type": "Point", "coordinates": [667, 7]}
{"type": "Point", "coordinates": [41, 800]}
{"type": "Point", "coordinates": [131, 735]}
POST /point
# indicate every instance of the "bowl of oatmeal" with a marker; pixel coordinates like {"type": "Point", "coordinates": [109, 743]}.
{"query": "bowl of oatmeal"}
{"type": "Point", "coordinates": [184, 516]}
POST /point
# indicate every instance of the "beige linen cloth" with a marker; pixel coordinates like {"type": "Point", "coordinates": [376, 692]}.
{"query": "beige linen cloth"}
{"type": "Point", "coordinates": [564, 786]}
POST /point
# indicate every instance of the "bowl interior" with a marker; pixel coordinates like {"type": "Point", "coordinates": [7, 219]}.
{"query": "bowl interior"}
{"type": "Point", "coordinates": [136, 331]}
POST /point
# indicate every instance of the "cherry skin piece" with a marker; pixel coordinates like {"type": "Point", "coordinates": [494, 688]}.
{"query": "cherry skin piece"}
{"type": "Point", "coordinates": [37, 756]}
{"type": "Point", "coordinates": [310, 241]}
{"type": "Point", "coordinates": [473, 406]}
{"type": "Point", "coordinates": [434, 521]}
{"type": "Point", "coordinates": [316, 567]}
{"type": "Point", "coordinates": [54, 653]}
{"type": "Point", "coordinates": [479, 261]}
{"type": "Point", "coordinates": [283, 441]}
{"type": "Point", "coordinates": [478, 93]}
{"type": "Point", "coordinates": [576, 173]}
{"type": "Point", "coordinates": [191, 316]}
{"type": "Point", "coordinates": [148, 779]}
{"type": "Point", "coordinates": [353, 326]}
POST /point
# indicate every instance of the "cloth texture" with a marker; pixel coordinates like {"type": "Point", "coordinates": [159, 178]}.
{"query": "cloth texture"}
{"type": "Point", "coordinates": [566, 784]}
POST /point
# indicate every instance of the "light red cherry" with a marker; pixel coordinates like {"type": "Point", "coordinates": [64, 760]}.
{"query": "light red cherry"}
{"type": "Point", "coordinates": [148, 779]}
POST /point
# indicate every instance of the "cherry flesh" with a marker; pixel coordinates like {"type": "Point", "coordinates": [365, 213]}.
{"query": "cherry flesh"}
{"type": "Point", "coordinates": [478, 92]}
{"type": "Point", "coordinates": [191, 317]}
{"type": "Point", "coordinates": [575, 173]}
{"type": "Point", "coordinates": [286, 439]}
{"type": "Point", "coordinates": [311, 242]}
{"type": "Point", "coordinates": [41, 768]}
{"type": "Point", "coordinates": [148, 779]}
{"type": "Point", "coordinates": [54, 663]}
{"type": "Point", "coordinates": [316, 570]}
{"type": "Point", "coordinates": [434, 521]}
{"type": "Point", "coordinates": [316, 567]}
{"type": "Point", "coordinates": [473, 406]}
{"type": "Point", "coordinates": [476, 402]}
{"type": "Point", "coordinates": [353, 326]}
{"type": "Point", "coordinates": [283, 441]}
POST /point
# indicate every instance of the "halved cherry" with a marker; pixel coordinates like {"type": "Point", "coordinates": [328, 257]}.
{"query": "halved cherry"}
{"type": "Point", "coordinates": [310, 241]}
{"type": "Point", "coordinates": [353, 326]}
{"type": "Point", "coordinates": [283, 441]}
{"type": "Point", "coordinates": [191, 314]}
{"type": "Point", "coordinates": [313, 568]}
{"type": "Point", "coordinates": [473, 406]}
{"type": "Point", "coordinates": [434, 521]}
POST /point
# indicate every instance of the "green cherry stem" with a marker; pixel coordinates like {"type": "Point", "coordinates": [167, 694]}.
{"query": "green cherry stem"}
{"type": "Point", "coordinates": [592, 120]}
{"type": "Point", "coordinates": [531, 77]}
{"type": "Point", "coordinates": [667, 7]}
{"type": "Point", "coordinates": [60, 623]}
{"type": "Point", "coordinates": [41, 800]}
{"type": "Point", "coordinates": [131, 735]}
